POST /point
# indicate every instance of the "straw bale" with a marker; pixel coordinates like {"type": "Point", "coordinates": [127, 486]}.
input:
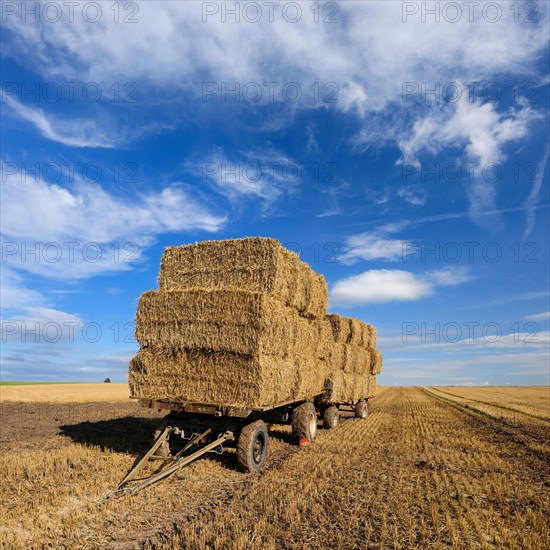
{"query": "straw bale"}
{"type": "Point", "coordinates": [341, 328]}
{"type": "Point", "coordinates": [231, 379]}
{"type": "Point", "coordinates": [358, 360]}
{"type": "Point", "coordinates": [224, 320]}
{"type": "Point", "coordinates": [348, 387]}
{"type": "Point", "coordinates": [348, 358]}
{"type": "Point", "coordinates": [202, 377]}
{"type": "Point", "coordinates": [225, 378]}
{"type": "Point", "coordinates": [243, 323]}
{"type": "Point", "coordinates": [335, 356]}
{"type": "Point", "coordinates": [356, 333]}
{"type": "Point", "coordinates": [348, 330]}
{"type": "Point", "coordinates": [376, 362]}
{"type": "Point", "coordinates": [370, 336]}
{"type": "Point", "coordinates": [255, 264]}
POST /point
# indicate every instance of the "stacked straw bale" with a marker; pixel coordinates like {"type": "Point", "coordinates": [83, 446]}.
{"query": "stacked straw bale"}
{"type": "Point", "coordinates": [243, 323]}
{"type": "Point", "coordinates": [249, 323]}
{"type": "Point", "coordinates": [255, 264]}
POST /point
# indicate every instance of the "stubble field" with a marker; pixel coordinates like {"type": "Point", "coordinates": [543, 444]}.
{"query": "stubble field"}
{"type": "Point", "coordinates": [429, 468]}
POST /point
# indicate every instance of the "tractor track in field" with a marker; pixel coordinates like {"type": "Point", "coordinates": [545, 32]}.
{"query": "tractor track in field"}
{"type": "Point", "coordinates": [536, 439]}
{"type": "Point", "coordinates": [495, 405]}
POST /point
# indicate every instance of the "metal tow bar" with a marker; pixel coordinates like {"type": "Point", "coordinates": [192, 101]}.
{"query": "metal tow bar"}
{"type": "Point", "coordinates": [176, 462]}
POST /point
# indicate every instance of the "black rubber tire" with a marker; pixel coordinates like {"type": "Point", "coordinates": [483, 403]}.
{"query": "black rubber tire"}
{"type": "Point", "coordinates": [252, 446]}
{"type": "Point", "coordinates": [362, 409]}
{"type": "Point", "coordinates": [304, 422]}
{"type": "Point", "coordinates": [331, 417]}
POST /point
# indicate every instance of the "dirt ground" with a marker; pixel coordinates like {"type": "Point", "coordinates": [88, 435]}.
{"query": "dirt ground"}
{"type": "Point", "coordinates": [419, 472]}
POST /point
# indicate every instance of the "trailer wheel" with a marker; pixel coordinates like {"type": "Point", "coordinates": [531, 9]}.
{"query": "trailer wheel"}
{"type": "Point", "coordinates": [331, 417]}
{"type": "Point", "coordinates": [252, 446]}
{"type": "Point", "coordinates": [304, 422]}
{"type": "Point", "coordinates": [362, 409]}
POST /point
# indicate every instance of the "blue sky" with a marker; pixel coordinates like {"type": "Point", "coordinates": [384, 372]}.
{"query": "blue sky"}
{"type": "Point", "coordinates": [402, 152]}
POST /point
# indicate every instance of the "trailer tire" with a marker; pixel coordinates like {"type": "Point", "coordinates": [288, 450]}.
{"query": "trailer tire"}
{"type": "Point", "coordinates": [252, 446]}
{"type": "Point", "coordinates": [362, 409]}
{"type": "Point", "coordinates": [331, 417]}
{"type": "Point", "coordinates": [304, 422]}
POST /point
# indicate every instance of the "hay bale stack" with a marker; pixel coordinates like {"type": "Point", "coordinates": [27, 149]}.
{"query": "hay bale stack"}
{"type": "Point", "coordinates": [243, 323]}
{"type": "Point", "coordinates": [249, 323]}
{"type": "Point", "coordinates": [225, 378]}
{"type": "Point", "coordinates": [254, 264]}
{"type": "Point", "coordinates": [352, 386]}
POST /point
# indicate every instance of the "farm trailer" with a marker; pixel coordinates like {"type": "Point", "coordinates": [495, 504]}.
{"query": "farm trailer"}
{"type": "Point", "coordinates": [237, 337]}
{"type": "Point", "coordinates": [191, 430]}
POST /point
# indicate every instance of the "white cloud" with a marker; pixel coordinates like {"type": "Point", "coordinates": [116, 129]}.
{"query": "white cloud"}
{"type": "Point", "coordinates": [460, 370]}
{"type": "Point", "coordinates": [483, 132]}
{"type": "Point", "coordinates": [40, 210]}
{"type": "Point", "coordinates": [450, 277]}
{"type": "Point", "coordinates": [374, 245]}
{"type": "Point", "coordinates": [13, 291]}
{"type": "Point", "coordinates": [312, 144]}
{"type": "Point", "coordinates": [329, 212]}
{"type": "Point", "coordinates": [379, 286]}
{"type": "Point", "coordinates": [411, 196]}
{"type": "Point", "coordinates": [369, 47]}
{"type": "Point", "coordinates": [369, 54]}
{"type": "Point", "coordinates": [532, 199]}
{"type": "Point", "coordinates": [379, 243]}
{"type": "Point", "coordinates": [544, 316]}
{"type": "Point", "coordinates": [75, 133]}
{"type": "Point", "coordinates": [63, 362]}
{"type": "Point", "coordinates": [352, 96]}
{"type": "Point", "coordinates": [385, 285]}
{"type": "Point", "coordinates": [478, 354]}
{"type": "Point", "coordinates": [41, 325]}
{"type": "Point", "coordinates": [468, 337]}
{"type": "Point", "coordinates": [267, 175]}
{"type": "Point", "coordinates": [507, 299]}
{"type": "Point", "coordinates": [37, 214]}
{"type": "Point", "coordinates": [36, 322]}
{"type": "Point", "coordinates": [333, 207]}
